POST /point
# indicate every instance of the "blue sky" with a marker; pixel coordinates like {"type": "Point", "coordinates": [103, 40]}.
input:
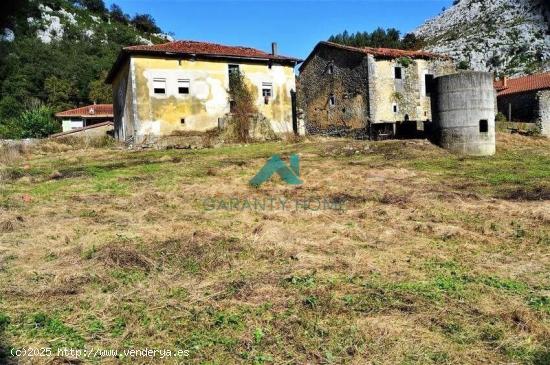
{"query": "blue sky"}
{"type": "Point", "coordinates": [296, 25]}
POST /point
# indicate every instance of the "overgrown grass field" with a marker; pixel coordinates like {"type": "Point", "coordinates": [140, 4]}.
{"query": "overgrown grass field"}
{"type": "Point", "coordinates": [434, 258]}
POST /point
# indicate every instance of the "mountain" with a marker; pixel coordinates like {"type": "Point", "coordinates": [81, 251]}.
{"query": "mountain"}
{"type": "Point", "coordinates": [509, 37]}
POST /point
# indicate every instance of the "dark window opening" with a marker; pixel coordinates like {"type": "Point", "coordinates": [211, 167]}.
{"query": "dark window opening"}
{"type": "Point", "coordinates": [182, 120]}
{"type": "Point", "coordinates": [332, 101]}
{"type": "Point", "coordinates": [183, 90]}
{"type": "Point", "coordinates": [158, 90]}
{"type": "Point", "coordinates": [483, 126]}
{"type": "Point", "coordinates": [429, 82]}
{"type": "Point", "coordinates": [398, 73]}
{"type": "Point", "coordinates": [395, 108]}
{"type": "Point", "coordinates": [330, 69]}
{"type": "Point", "coordinates": [232, 106]}
{"type": "Point", "coordinates": [233, 69]}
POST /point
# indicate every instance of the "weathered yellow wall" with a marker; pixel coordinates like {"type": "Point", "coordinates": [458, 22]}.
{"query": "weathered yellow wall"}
{"type": "Point", "coordinates": [123, 103]}
{"type": "Point", "coordinates": [208, 98]}
{"type": "Point", "coordinates": [279, 109]}
{"type": "Point", "coordinates": [409, 93]}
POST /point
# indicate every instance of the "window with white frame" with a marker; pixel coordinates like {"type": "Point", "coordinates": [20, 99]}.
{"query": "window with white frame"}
{"type": "Point", "coordinates": [159, 86]}
{"type": "Point", "coordinates": [183, 86]}
{"type": "Point", "coordinates": [332, 101]}
{"type": "Point", "coordinates": [267, 91]}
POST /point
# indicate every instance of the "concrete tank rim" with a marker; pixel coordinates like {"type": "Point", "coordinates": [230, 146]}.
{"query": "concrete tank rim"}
{"type": "Point", "coordinates": [462, 73]}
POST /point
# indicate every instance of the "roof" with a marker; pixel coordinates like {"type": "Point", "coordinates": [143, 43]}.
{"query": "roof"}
{"type": "Point", "coordinates": [201, 49]}
{"type": "Point", "coordinates": [76, 130]}
{"type": "Point", "coordinates": [379, 52]}
{"type": "Point", "coordinates": [90, 111]}
{"type": "Point", "coordinates": [523, 84]}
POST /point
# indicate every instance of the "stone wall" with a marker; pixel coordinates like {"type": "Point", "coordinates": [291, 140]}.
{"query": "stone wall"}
{"type": "Point", "coordinates": [339, 73]}
{"type": "Point", "coordinates": [342, 90]}
{"type": "Point", "coordinates": [544, 111]}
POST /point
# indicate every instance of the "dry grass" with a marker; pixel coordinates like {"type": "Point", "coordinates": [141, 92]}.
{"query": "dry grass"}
{"type": "Point", "coordinates": [432, 261]}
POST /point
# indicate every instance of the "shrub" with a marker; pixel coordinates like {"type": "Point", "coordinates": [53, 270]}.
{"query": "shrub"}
{"type": "Point", "coordinates": [500, 118]}
{"type": "Point", "coordinates": [242, 107]}
{"type": "Point", "coordinates": [463, 65]}
{"type": "Point", "coordinates": [38, 123]}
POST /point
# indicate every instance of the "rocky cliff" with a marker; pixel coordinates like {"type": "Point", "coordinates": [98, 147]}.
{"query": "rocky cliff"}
{"type": "Point", "coordinates": [509, 37]}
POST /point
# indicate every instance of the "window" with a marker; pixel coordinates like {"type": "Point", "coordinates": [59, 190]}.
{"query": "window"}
{"type": "Point", "coordinates": [267, 92]}
{"type": "Point", "coordinates": [233, 72]}
{"type": "Point", "coordinates": [182, 121]}
{"type": "Point", "coordinates": [395, 108]}
{"type": "Point", "coordinates": [183, 87]}
{"type": "Point", "coordinates": [159, 86]}
{"type": "Point", "coordinates": [398, 73]}
{"type": "Point", "coordinates": [330, 69]}
{"type": "Point", "coordinates": [483, 126]}
{"type": "Point", "coordinates": [428, 84]}
{"type": "Point", "coordinates": [332, 101]}
{"type": "Point", "coordinates": [233, 69]}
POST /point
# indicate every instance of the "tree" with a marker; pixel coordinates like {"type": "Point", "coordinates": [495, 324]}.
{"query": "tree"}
{"type": "Point", "coordinates": [59, 93]}
{"type": "Point", "coordinates": [96, 6]}
{"type": "Point", "coordinates": [118, 15]}
{"type": "Point", "coordinates": [145, 23]}
{"type": "Point", "coordinates": [12, 10]}
{"type": "Point", "coordinates": [100, 92]}
{"type": "Point", "coordinates": [412, 42]}
{"type": "Point", "coordinates": [38, 123]}
{"type": "Point", "coordinates": [10, 108]}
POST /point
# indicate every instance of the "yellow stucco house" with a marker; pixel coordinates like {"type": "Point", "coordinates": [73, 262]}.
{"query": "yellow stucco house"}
{"type": "Point", "coordinates": [183, 86]}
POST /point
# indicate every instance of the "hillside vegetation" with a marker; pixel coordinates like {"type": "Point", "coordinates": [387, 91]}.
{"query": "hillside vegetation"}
{"type": "Point", "coordinates": [434, 258]}
{"type": "Point", "coordinates": [54, 55]}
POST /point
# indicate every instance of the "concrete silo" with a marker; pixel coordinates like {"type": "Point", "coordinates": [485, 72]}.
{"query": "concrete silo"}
{"type": "Point", "coordinates": [464, 113]}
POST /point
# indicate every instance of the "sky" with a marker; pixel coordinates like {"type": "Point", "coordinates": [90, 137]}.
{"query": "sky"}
{"type": "Point", "coordinates": [296, 25]}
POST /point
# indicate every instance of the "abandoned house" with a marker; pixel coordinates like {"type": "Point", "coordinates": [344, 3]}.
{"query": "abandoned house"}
{"type": "Point", "coordinates": [183, 86]}
{"type": "Point", "coordinates": [378, 91]}
{"type": "Point", "coordinates": [85, 116]}
{"type": "Point", "coordinates": [526, 99]}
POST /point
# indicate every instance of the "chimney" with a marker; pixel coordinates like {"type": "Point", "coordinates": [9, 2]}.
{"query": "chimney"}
{"type": "Point", "coordinates": [274, 48]}
{"type": "Point", "coordinates": [505, 81]}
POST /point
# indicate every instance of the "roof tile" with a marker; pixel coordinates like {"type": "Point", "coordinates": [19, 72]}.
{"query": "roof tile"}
{"type": "Point", "coordinates": [390, 52]}
{"type": "Point", "coordinates": [208, 49]}
{"type": "Point", "coordinates": [96, 110]}
{"type": "Point", "coordinates": [523, 84]}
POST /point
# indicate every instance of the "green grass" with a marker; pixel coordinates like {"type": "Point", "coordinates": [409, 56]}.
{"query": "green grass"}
{"type": "Point", "coordinates": [429, 263]}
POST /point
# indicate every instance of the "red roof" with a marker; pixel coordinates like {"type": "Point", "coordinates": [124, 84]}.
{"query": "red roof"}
{"type": "Point", "coordinates": [194, 48]}
{"type": "Point", "coordinates": [208, 49]}
{"type": "Point", "coordinates": [380, 52]}
{"type": "Point", "coordinates": [390, 52]}
{"type": "Point", "coordinates": [90, 111]}
{"type": "Point", "coordinates": [523, 84]}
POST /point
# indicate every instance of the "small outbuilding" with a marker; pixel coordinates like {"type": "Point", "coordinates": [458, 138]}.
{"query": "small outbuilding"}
{"type": "Point", "coordinates": [525, 99]}
{"type": "Point", "coordinates": [85, 116]}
